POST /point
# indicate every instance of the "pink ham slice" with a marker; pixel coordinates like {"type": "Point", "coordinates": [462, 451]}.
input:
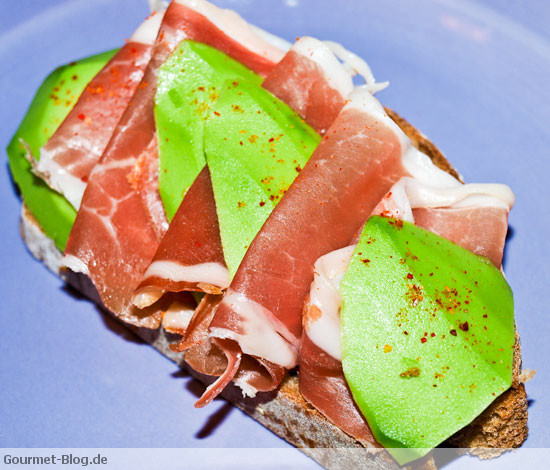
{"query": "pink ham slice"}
{"type": "Point", "coordinates": [353, 167]}
{"type": "Point", "coordinates": [481, 230]}
{"type": "Point", "coordinates": [114, 237]}
{"type": "Point", "coordinates": [191, 256]}
{"type": "Point", "coordinates": [69, 156]}
{"type": "Point", "coordinates": [313, 82]}
{"type": "Point", "coordinates": [305, 80]}
{"type": "Point", "coordinates": [474, 216]}
{"type": "Point", "coordinates": [322, 383]}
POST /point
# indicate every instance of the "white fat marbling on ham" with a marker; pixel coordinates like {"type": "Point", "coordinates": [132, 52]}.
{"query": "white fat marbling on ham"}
{"type": "Point", "coordinates": [338, 77]}
{"type": "Point", "coordinates": [74, 264]}
{"type": "Point", "coordinates": [208, 273]}
{"type": "Point", "coordinates": [177, 317]}
{"type": "Point", "coordinates": [421, 168]}
{"type": "Point", "coordinates": [257, 335]}
{"type": "Point", "coordinates": [60, 179]}
{"type": "Point", "coordinates": [396, 204]}
{"type": "Point", "coordinates": [275, 41]}
{"type": "Point", "coordinates": [246, 389]}
{"type": "Point", "coordinates": [355, 65]}
{"type": "Point", "coordinates": [324, 329]}
{"type": "Point", "coordinates": [204, 272]}
{"type": "Point", "coordinates": [338, 65]}
{"type": "Point", "coordinates": [68, 158]}
{"type": "Point", "coordinates": [147, 296]}
{"type": "Point", "coordinates": [363, 100]}
{"type": "Point", "coordinates": [238, 29]}
{"type": "Point", "coordinates": [408, 194]}
{"type": "Point", "coordinates": [148, 30]}
{"type": "Point", "coordinates": [158, 5]}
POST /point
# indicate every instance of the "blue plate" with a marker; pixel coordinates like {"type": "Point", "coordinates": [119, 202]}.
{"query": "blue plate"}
{"type": "Point", "coordinates": [472, 76]}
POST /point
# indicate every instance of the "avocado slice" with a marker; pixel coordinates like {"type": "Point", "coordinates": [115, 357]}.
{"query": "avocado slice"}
{"type": "Point", "coordinates": [255, 147]}
{"type": "Point", "coordinates": [427, 335]}
{"type": "Point", "coordinates": [188, 85]}
{"type": "Point", "coordinates": [53, 101]}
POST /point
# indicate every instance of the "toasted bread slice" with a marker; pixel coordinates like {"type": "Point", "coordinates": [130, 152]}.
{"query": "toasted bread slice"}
{"type": "Point", "coordinates": [503, 425]}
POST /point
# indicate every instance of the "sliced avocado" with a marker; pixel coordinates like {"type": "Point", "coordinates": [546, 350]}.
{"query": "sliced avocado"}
{"type": "Point", "coordinates": [255, 147]}
{"type": "Point", "coordinates": [53, 101]}
{"type": "Point", "coordinates": [188, 85]}
{"type": "Point", "coordinates": [427, 335]}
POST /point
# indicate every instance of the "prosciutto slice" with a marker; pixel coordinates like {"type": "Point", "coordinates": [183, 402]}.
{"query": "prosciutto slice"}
{"type": "Point", "coordinates": [322, 381]}
{"type": "Point", "coordinates": [481, 230]}
{"type": "Point", "coordinates": [190, 256]}
{"type": "Point", "coordinates": [116, 232]}
{"type": "Point", "coordinates": [357, 162]}
{"type": "Point", "coordinates": [473, 216]}
{"type": "Point", "coordinates": [69, 156]}
{"type": "Point", "coordinates": [312, 81]}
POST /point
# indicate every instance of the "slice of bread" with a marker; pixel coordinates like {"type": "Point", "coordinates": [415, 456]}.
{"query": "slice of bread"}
{"type": "Point", "coordinates": [502, 426]}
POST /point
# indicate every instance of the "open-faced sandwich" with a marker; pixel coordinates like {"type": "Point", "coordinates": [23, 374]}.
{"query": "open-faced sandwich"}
{"type": "Point", "coordinates": [268, 224]}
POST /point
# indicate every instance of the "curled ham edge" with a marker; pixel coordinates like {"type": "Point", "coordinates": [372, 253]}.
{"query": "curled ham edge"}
{"type": "Point", "coordinates": [338, 67]}
{"type": "Point", "coordinates": [428, 186]}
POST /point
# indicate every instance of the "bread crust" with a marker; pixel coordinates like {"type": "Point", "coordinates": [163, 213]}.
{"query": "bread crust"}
{"type": "Point", "coordinates": [502, 426]}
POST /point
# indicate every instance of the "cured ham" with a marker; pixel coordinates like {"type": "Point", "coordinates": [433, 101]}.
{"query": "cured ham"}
{"type": "Point", "coordinates": [473, 216]}
{"type": "Point", "coordinates": [322, 380]}
{"type": "Point", "coordinates": [328, 82]}
{"type": "Point", "coordinates": [358, 160]}
{"type": "Point", "coordinates": [312, 81]}
{"type": "Point", "coordinates": [325, 67]}
{"type": "Point", "coordinates": [282, 307]}
{"type": "Point", "coordinates": [481, 230]}
{"type": "Point", "coordinates": [69, 156]}
{"type": "Point", "coordinates": [125, 238]}
{"type": "Point", "coordinates": [190, 256]}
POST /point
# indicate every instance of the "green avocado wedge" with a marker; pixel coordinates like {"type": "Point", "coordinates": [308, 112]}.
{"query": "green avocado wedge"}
{"type": "Point", "coordinates": [188, 85]}
{"type": "Point", "coordinates": [53, 101]}
{"type": "Point", "coordinates": [255, 147]}
{"type": "Point", "coordinates": [427, 335]}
